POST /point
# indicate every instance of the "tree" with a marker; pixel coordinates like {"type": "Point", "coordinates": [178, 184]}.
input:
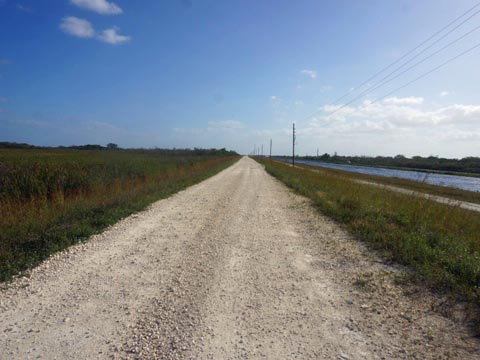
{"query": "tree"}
{"type": "Point", "coordinates": [112, 146]}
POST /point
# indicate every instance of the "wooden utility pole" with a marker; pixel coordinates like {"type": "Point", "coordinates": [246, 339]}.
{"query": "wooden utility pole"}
{"type": "Point", "coordinates": [293, 146]}
{"type": "Point", "coordinates": [270, 148]}
{"type": "Point", "coordinates": [262, 150]}
{"type": "Point", "coordinates": [317, 152]}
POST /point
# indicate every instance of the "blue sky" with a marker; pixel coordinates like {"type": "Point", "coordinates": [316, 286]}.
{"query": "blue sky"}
{"type": "Point", "coordinates": [233, 74]}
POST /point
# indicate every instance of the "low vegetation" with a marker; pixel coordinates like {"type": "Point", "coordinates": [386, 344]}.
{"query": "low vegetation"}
{"type": "Point", "coordinates": [440, 242]}
{"type": "Point", "coordinates": [53, 198]}
{"type": "Point", "coordinates": [423, 187]}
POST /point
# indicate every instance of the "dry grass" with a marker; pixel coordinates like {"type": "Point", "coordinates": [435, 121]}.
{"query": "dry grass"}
{"type": "Point", "coordinates": [424, 187]}
{"type": "Point", "coordinates": [50, 200]}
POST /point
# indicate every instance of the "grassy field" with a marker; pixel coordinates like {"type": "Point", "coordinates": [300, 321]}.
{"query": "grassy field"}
{"type": "Point", "coordinates": [51, 199]}
{"type": "Point", "coordinates": [440, 242]}
{"type": "Point", "coordinates": [423, 187]}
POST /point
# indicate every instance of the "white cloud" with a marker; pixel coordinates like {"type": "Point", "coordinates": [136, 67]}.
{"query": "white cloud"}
{"type": "Point", "coordinates": [460, 135]}
{"type": "Point", "coordinates": [100, 125]}
{"type": "Point", "coordinates": [457, 114]}
{"type": "Point", "coordinates": [83, 28]}
{"type": "Point", "coordinates": [411, 100]}
{"type": "Point", "coordinates": [380, 128]}
{"type": "Point", "coordinates": [216, 129]}
{"type": "Point", "coordinates": [34, 123]}
{"type": "Point", "coordinates": [444, 93]}
{"type": "Point", "coordinates": [111, 36]}
{"type": "Point", "coordinates": [312, 74]}
{"type": "Point", "coordinates": [24, 8]}
{"type": "Point", "coordinates": [273, 97]}
{"type": "Point", "coordinates": [226, 124]}
{"type": "Point", "coordinates": [99, 6]}
{"type": "Point", "coordinates": [326, 88]}
{"type": "Point", "coordinates": [405, 115]}
{"type": "Point", "coordinates": [298, 102]}
{"type": "Point", "coordinates": [77, 27]}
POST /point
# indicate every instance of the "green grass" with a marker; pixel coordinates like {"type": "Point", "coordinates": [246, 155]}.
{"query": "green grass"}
{"type": "Point", "coordinates": [51, 199]}
{"type": "Point", "coordinates": [423, 187]}
{"type": "Point", "coordinates": [441, 243]}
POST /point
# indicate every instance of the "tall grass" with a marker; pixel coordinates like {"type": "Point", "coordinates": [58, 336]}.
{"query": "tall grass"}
{"type": "Point", "coordinates": [51, 199]}
{"type": "Point", "coordinates": [440, 242]}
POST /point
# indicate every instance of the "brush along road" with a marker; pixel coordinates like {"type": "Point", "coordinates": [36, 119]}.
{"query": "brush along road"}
{"type": "Point", "coordinates": [440, 199]}
{"type": "Point", "coordinates": [235, 267]}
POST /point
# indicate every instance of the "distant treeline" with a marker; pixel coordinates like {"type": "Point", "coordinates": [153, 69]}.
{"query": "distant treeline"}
{"type": "Point", "coordinates": [115, 147]}
{"type": "Point", "coordinates": [433, 163]}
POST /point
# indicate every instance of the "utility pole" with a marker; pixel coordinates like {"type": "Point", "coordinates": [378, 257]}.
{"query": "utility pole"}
{"type": "Point", "coordinates": [293, 146]}
{"type": "Point", "coordinates": [262, 150]}
{"type": "Point", "coordinates": [270, 148]}
{"type": "Point", "coordinates": [317, 152]}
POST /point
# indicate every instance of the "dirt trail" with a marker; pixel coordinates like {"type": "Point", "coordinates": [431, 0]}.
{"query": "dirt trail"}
{"type": "Point", "coordinates": [236, 267]}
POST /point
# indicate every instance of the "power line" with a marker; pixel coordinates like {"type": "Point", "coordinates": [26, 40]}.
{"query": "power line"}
{"type": "Point", "coordinates": [429, 47]}
{"type": "Point", "coordinates": [379, 85]}
{"type": "Point", "coordinates": [411, 51]}
{"type": "Point", "coordinates": [429, 72]}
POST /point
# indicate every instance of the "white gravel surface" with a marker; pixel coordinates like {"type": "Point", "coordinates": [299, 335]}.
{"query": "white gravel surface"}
{"type": "Point", "coordinates": [236, 267]}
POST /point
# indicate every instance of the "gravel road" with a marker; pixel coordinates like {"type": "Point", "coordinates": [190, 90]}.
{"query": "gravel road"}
{"type": "Point", "coordinates": [236, 267]}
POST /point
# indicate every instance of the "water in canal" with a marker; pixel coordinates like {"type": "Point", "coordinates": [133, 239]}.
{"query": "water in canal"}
{"type": "Point", "coordinates": [460, 182]}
